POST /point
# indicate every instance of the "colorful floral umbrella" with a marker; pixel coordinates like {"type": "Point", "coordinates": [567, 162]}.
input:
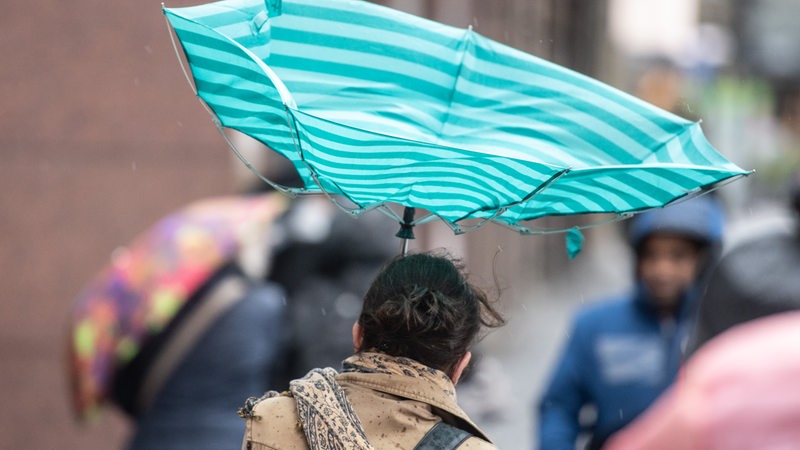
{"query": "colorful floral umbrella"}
{"type": "Point", "coordinates": [378, 107]}
{"type": "Point", "coordinates": [149, 281]}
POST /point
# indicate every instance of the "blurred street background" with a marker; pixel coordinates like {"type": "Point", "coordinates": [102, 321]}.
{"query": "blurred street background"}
{"type": "Point", "coordinates": [101, 135]}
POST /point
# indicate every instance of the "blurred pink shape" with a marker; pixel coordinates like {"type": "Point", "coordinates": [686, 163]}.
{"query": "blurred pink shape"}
{"type": "Point", "coordinates": [740, 391]}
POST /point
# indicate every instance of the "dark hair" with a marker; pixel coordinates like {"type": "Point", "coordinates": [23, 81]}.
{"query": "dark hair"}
{"type": "Point", "coordinates": [421, 306]}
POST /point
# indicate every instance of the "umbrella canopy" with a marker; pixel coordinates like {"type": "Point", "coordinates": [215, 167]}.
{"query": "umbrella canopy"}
{"type": "Point", "coordinates": [379, 107]}
{"type": "Point", "coordinates": [149, 281]}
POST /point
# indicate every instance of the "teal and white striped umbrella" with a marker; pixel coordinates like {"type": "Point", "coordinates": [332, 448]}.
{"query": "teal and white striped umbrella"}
{"type": "Point", "coordinates": [382, 107]}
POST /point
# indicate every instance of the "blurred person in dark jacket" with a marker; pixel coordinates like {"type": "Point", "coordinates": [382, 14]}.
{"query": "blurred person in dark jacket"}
{"type": "Point", "coordinates": [325, 261]}
{"type": "Point", "coordinates": [233, 353]}
{"type": "Point", "coordinates": [282, 323]}
{"type": "Point", "coordinates": [757, 276]}
{"type": "Point", "coordinates": [176, 329]}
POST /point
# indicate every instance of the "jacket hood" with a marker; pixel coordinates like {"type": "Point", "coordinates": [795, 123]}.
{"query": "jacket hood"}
{"type": "Point", "coordinates": [700, 219]}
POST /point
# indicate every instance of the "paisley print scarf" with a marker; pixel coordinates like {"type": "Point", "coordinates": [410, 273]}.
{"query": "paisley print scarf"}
{"type": "Point", "coordinates": [367, 362]}
{"type": "Point", "coordinates": [328, 419]}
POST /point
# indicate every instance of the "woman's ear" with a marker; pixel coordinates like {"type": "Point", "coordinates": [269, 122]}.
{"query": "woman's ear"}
{"type": "Point", "coordinates": [358, 337]}
{"type": "Point", "coordinates": [460, 366]}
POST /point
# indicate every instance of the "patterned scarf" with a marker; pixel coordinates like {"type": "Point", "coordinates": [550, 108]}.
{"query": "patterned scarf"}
{"type": "Point", "coordinates": [367, 362]}
{"type": "Point", "coordinates": [328, 419]}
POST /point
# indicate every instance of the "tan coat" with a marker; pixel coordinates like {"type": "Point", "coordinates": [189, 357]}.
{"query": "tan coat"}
{"type": "Point", "coordinates": [395, 411]}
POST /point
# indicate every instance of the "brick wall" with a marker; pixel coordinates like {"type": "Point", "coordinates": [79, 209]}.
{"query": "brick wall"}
{"type": "Point", "coordinates": [100, 135]}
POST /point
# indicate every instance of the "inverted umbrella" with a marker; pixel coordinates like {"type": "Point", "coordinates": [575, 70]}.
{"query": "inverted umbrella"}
{"type": "Point", "coordinates": [381, 107]}
{"type": "Point", "coordinates": [148, 282]}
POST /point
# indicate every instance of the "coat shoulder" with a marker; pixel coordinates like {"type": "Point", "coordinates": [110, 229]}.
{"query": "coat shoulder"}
{"type": "Point", "coordinates": [274, 423]}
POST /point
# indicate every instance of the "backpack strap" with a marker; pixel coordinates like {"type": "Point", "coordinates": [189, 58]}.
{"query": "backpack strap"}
{"type": "Point", "coordinates": [137, 383]}
{"type": "Point", "coordinates": [443, 437]}
{"type": "Point", "coordinates": [221, 296]}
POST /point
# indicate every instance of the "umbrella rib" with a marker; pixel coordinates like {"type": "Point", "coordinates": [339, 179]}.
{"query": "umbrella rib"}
{"type": "Point", "coordinates": [292, 122]}
{"type": "Point", "coordinates": [504, 208]}
{"type": "Point", "coordinates": [171, 32]}
{"type": "Point", "coordinates": [705, 190]}
{"type": "Point", "coordinates": [624, 215]}
{"type": "Point", "coordinates": [214, 117]}
{"type": "Point", "coordinates": [285, 95]}
{"type": "Point", "coordinates": [542, 231]}
{"type": "Point", "coordinates": [467, 42]}
{"type": "Point", "coordinates": [383, 207]}
{"type": "Point", "coordinates": [282, 189]}
{"type": "Point", "coordinates": [218, 122]}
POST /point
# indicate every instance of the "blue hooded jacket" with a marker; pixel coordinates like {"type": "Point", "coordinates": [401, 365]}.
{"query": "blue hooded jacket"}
{"type": "Point", "coordinates": [620, 356]}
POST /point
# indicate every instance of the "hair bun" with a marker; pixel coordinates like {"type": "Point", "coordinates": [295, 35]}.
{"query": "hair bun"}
{"type": "Point", "coordinates": [421, 307]}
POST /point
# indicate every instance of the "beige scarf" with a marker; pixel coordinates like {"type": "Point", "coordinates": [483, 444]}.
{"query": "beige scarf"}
{"type": "Point", "coordinates": [370, 362]}
{"type": "Point", "coordinates": [328, 418]}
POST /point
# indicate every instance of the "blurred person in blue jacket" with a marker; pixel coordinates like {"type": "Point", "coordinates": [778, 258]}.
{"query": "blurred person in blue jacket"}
{"type": "Point", "coordinates": [743, 363]}
{"type": "Point", "coordinates": [623, 353]}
